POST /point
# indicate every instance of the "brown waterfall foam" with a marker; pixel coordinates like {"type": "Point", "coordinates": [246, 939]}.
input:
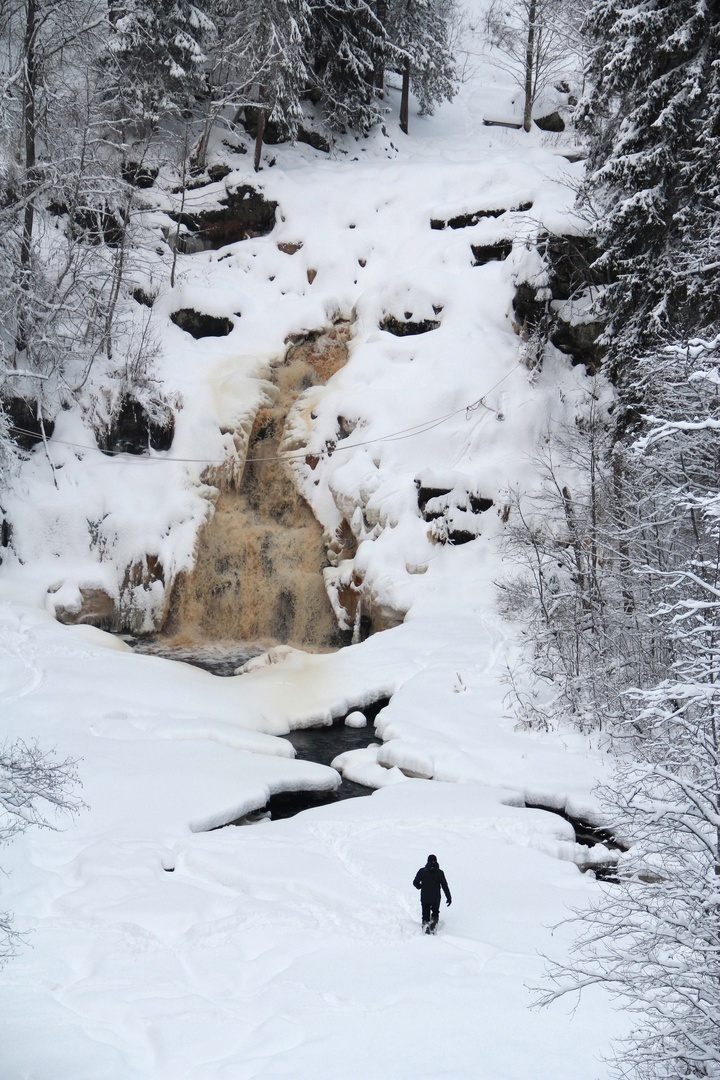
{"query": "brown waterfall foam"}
{"type": "Point", "coordinates": [258, 574]}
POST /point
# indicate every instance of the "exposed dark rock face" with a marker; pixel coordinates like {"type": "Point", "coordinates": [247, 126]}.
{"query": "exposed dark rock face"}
{"type": "Point", "coordinates": [94, 224]}
{"type": "Point", "coordinates": [571, 268]}
{"type": "Point", "coordinates": [218, 172]}
{"type": "Point", "coordinates": [314, 139]}
{"type": "Point", "coordinates": [478, 504]}
{"type": "Point", "coordinates": [275, 133]}
{"type": "Point", "coordinates": [138, 174]}
{"type": "Point", "coordinates": [142, 297]}
{"type": "Point", "coordinates": [408, 327]}
{"type": "Point", "coordinates": [234, 148]}
{"type": "Point", "coordinates": [212, 175]}
{"type": "Point", "coordinates": [98, 225]}
{"type": "Point", "coordinates": [26, 430]}
{"type": "Point", "coordinates": [552, 122]}
{"type": "Point", "coordinates": [465, 221]}
{"type": "Point", "coordinates": [579, 340]}
{"type": "Point", "coordinates": [531, 310]}
{"type": "Point", "coordinates": [133, 431]}
{"type": "Point", "coordinates": [245, 212]}
{"type": "Point", "coordinates": [200, 325]}
{"type": "Point", "coordinates": [571, 260]}
{"type": "Point", "coordinates": [485, 253]}
{"type": "Point", "coordinates": [452, 512]}
{"type": "Point", "coordinates": [5, 533]}
{"type": "Point", "coordinates": [272, 133]}
{"type": "Point", "coordinates": [426, 494]}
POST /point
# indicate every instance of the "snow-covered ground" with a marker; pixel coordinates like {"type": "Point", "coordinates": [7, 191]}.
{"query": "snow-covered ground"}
{"type": "Point", "coordinates": [158, 949]}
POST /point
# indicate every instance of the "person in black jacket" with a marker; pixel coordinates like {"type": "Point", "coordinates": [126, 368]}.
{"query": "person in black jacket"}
{"type": "Point", "coordinates": [429, 880]}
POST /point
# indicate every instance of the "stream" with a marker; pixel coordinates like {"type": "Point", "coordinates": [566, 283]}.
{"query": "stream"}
{"type": "Point", "coordinates": [318, 744]}
{"type": "Point", "coordinates": [323, 744]}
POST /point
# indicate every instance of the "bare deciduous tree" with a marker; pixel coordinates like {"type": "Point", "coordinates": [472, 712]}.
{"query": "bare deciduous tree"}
{"type": "Point", "coordinates": [35, 789]}
{"type": "Point", "coordinates": [536, 40]}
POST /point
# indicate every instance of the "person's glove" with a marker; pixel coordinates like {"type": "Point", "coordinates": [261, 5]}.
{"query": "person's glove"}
{"type": "Point", "coordinates": [448, 902]}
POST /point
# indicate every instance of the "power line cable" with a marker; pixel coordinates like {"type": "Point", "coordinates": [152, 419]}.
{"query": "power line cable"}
{"type": "Point", "coordinates": [290, 455]}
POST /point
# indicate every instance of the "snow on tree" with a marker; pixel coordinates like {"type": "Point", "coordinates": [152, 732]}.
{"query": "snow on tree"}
{"type": "Point", "coordinates": [346, 37]}
{"type": "Point", "coordinates": [155, 57]}
{"type": "Point", "coordinates": [420, 32]}
{"type": "Point", "coordinates": [40, 78]}
{"type": "Point", "coordinates": [655, 937]}
{"type": "Point", "coordinates": [35, 787]}
{"type": "Point", "coordinates": [261, 64]}
{"type": "Point", "coordinates": [535, 40]}
{"type": "Point", "coordinates": [353, 43]}
{"type": "Point", "coordinates": [652, 116]}
{"type": "Point", "coordinates": [576, 606]}
{"type": "Point", "coordinates": [64, 213]}
{"type": "Point", "coordinates": [652, 113]}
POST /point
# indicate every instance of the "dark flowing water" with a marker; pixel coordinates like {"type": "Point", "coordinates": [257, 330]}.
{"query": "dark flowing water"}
{"type": "Point", "coordinates": [590, 836]}
{"type": "Point", "coordinates": [319, 744]}
{"type": "Point", "coordinates": [323, 744]}
{"type": "Point", "coordinates": [218, 659]}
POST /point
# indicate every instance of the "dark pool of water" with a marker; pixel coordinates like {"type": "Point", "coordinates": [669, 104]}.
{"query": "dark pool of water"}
{"type": "Point", "coordinates": [323, 745]}
{"type": "Point", "coordinates": [591, 836]}
{"type": "Point", "coordinates": [288, 803]}
{"type": "Point", "coordinates": [586, 834]}
{"type": "Point", "coordinates": [318, 744]}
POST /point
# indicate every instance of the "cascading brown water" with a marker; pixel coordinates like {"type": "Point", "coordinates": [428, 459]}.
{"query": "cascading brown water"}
{"type": "Point", "coordinates": [258, 575]}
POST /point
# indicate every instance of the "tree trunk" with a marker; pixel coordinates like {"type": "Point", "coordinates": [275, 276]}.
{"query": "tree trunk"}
{"type": "Point", "coordinates": [530, 65]}
{"type": "Point", "coordinates": [381, 11]}
{"type": "Point", "coordinates": [405, 96]}
{"type": "Point", "coordinates": [198, 158]}
{"type": "Point", "coordinates": [576, 543]}
{"type": "Point", "coordinates": [29, 138]}
{"type": "Point", "coordinates": [186, 143]}
{"type": "Point", "coordinates": [259, 138]}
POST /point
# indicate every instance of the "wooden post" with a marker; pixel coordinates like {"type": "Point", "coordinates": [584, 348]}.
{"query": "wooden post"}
{"type": "Point", "coordinates": [259, 138]}
{"type": "Point", "coordinates": [405, 96]}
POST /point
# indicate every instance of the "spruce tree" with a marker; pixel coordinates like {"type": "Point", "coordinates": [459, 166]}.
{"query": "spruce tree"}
{"type": "Point", "coordinates": [265, 48]}
{"type": "Point", "coordinates": [155, 58]}
{"type": "Point", "coordinates": [346, 37]}
{"type": "Point", "coordinates": [652, 114]}
{"type": "Point", "coordinates": [420, 31]}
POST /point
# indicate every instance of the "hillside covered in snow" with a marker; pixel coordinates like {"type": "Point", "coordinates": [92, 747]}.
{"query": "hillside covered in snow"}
{"type": "Point", "coordinates": [341, 418]}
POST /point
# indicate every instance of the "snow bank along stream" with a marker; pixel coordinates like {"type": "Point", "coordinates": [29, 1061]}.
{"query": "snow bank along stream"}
{"type": "Point", "coordinates": [350, 744]}
{"type": "Point", "coordinates": [272, 950]}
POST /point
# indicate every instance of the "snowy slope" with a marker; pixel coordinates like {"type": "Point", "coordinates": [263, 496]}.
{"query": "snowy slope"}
{"type": "Point", "coordinates": [292, 948]}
